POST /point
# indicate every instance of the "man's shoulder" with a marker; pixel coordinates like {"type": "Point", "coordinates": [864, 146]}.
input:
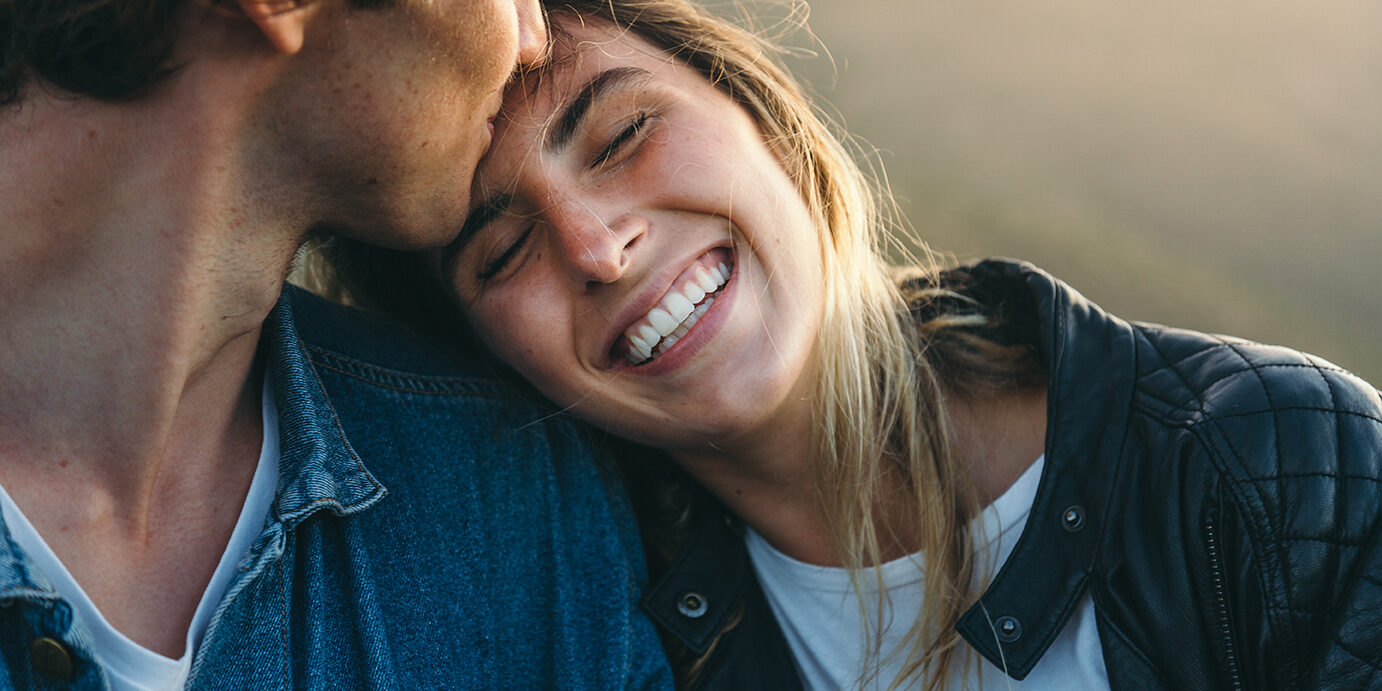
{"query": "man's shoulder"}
{"type": "Point", "coordinates": [340, 332]}
{"type": "Point", "coordinates": [390, 386]}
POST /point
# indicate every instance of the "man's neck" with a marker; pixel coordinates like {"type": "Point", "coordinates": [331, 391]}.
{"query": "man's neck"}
{"type": "Point", "coordinates": [135, 274]}
{"type": "Point", "coordinates": [133, 286]}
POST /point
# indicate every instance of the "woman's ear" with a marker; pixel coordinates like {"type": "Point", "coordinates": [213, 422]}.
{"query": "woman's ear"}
{"type": "Point", "coordinates": [283, 22]}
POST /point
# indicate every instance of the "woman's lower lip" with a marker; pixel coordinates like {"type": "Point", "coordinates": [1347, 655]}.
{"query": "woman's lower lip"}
{"type": "Point", "coordinates": [685, 348]}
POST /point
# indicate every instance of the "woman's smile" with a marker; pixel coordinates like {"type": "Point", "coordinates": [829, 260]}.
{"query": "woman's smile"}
{"type": "Point", "coordinates": [690, 298]}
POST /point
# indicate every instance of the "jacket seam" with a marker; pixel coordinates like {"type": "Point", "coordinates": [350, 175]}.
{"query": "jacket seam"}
{"type": "Point", "coordinates": [1238, 504]}
{"type": "Point", "coordinates": [1301, 476]}
{"type": "Point", "coordinates": [1198, 352]}
{"type": "Point", "coordinates": [1282, 365]}
{"type": "Point", "coordinates": [1333, 403]}
{"type": "Point", "coordinates": [336, 422]}
{"type": "Point", "coordinates": [399, 381]}
{"type": "Point", "coordinates": [1282, 409]}
{"type": "Point", "coordinates": [1224, 343]}
{"type": "Point", "coordinates": [1191, 416]}
{"type": "Point", "coordinates": [283, 617]}
{"type": "Point", "coordinates": [1255, 534]}
{"type": "Point", "coordinates": [1336, 543]}
{"type": "Point", "coordinates": [1172, 366]}
{"type": "Point", "coordinates": [1200, 415]}
{"type": "Point", "coordinates": [1376, 665]}
{"type": "Point", "coordinates": [1108, 625]}
{"type": "Point", "coordinates": [1292, 672]}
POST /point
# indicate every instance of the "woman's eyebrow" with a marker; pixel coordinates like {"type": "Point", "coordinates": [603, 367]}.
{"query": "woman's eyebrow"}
{"type": "Point", "coordinates": [486, 211]}
{"type": "Point", "coordinates": [574, 111]}
{"type": "Point", "coordinates": [568, 121]}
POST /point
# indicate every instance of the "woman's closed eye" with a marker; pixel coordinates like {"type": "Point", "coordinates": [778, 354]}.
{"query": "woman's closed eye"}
{"type": "Point", "coordinates": [616, 145]}
{"type": "Point", "coordinates": [494, 267]}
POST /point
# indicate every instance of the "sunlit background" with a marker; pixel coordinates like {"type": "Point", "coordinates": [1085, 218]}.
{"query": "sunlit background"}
{"type": "Point", "coordinates": [1213, 165]}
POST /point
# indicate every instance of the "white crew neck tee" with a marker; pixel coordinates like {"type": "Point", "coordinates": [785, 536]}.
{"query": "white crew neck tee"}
{"type": "Point", "coordinates": [819, 611]}
{"type": "Point", "coordinates": [130, 666]}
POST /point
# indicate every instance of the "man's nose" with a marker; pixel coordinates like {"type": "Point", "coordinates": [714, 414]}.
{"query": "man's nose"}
{"type": "Point", "coordinates": [532, 32]}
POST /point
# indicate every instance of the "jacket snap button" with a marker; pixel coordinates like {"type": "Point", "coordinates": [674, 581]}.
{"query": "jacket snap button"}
{"type": "Point", "coordinates": [1073, 519]}
{"type": "Point", "coordinates": [51, 658]}
{"type": "Point", "coordinates": [1009, 629]}
{"type": "Point", "coordinates": [691, 605]}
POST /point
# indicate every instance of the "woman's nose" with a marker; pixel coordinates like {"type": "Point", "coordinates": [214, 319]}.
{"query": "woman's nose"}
{"type": "Point", "coordinates": [597, 250]}
{"type": "Point", "coordinates": [532, 32]}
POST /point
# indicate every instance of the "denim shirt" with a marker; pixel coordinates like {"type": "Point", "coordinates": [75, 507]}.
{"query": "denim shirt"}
{"type": "Point", "coordinates": [431, 529]}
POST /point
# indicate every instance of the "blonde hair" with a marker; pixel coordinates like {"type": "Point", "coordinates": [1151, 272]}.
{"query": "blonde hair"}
{"type": "Point", "coordinates": [879, 414]}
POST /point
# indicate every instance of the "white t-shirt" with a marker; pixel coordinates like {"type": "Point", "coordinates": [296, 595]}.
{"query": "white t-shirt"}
{"type": "Point", "coordinates": [130, 666]}
{"type": "Point", "coordinates": [819, 611]}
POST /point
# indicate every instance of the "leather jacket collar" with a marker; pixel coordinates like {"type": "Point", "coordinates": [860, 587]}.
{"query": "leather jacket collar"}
{"type": "Point", "coordinates": [1089, 357]}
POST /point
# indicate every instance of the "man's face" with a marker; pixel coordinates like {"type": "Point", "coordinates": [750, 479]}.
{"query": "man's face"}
{"type": "Point", "coordinates": [394, 107]}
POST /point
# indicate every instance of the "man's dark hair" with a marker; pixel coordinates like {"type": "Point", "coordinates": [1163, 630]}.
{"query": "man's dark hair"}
{"type": "Point", "coordinates": [106, 49]}
{"type": "Point", "coordinates": [110, 50]}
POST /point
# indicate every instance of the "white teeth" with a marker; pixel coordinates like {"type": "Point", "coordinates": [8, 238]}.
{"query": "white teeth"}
{"type": "Point", "coordinates": [693, 292]}
{"type": "Point", "coordinates": [662, 321]}
{"type": "Point", "coordinates": [677, 306]}
{"type": "Point", "coordinates": [649, 336]}
{"type": "Point", "coordinates": [706, 281]}
{"type": "Point", "coordinates": [672, 320]}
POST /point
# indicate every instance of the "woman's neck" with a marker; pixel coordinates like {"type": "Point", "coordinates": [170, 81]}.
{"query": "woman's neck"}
{"type": "Point", "coordinates": [999, 437]}
{"type": "Point", "coordinates": [764, 476]}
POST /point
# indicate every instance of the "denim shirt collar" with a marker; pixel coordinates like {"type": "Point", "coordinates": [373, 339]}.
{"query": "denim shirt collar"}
{"type": "Point", "coordinates": [18, 580]}
{"type": "Point", "coordinates": [318, 468]}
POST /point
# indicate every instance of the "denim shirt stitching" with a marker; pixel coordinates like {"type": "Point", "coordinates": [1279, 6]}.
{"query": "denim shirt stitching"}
{"type": "Point", "coordinates": [408, 382]}
{"type": "Point", "coordinates": [283, 603]}
{"type": "Point", "coordinates": [360, 464]}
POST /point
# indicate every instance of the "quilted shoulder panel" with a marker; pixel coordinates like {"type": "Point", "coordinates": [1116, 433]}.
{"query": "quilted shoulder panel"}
{"type": "Point", "coordinates": [1298, 442]}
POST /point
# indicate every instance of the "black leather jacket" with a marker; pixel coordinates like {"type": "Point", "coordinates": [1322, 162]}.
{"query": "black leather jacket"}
{"type": "Point", "coordinates": [1221, 500]}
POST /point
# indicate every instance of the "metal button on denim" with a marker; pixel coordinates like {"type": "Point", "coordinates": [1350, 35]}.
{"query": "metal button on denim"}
{"type": "Point", "coordinates": [691, 605]}
{"type": "Point", "coordinates": [51, 658]}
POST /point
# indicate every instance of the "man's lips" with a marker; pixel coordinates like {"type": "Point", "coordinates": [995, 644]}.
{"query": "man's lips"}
{"type": "Point", "coordinates": [688, 297]}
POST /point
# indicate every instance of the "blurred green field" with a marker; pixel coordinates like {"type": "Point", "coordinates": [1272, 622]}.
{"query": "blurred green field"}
{"type": "Point", "coordinates": [1216, 166]}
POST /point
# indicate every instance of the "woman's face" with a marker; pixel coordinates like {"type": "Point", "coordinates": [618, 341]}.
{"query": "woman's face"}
{"type": "Point", "coordinates": [636, 251]}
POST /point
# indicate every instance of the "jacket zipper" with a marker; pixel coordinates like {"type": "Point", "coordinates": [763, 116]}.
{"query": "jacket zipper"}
{"type": "Point", "coordinates": [1221, 602]}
